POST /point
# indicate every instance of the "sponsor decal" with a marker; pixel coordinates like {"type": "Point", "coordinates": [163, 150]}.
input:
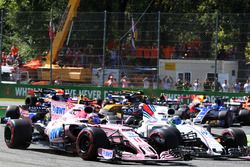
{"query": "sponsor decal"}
{"type": "Point", "coordinates": [131, 134]}
{"type": "Point", "coordinates": [55, 133]}
{"type": "Point", "coordinates": [107, 154]}
{"type": "Point", "coordinates": [58, 109]}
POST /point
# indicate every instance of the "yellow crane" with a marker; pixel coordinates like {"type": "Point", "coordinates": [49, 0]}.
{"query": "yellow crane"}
{"type": "Point", "coordinates": [67, 74]}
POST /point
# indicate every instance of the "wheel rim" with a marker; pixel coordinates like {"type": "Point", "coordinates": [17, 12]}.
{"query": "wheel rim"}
{"type": "Point", "coordinates": [158, 141]}
{"type": "Point", "coordinates": [228, 139]}
{"type": "Point", "coordinates": [84, 144]}
{"type": "Point", "coordinates": [7, 134]}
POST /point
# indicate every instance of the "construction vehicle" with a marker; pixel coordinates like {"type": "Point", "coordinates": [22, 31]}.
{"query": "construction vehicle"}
{"type": "Point", "coordinates": [66, 74]}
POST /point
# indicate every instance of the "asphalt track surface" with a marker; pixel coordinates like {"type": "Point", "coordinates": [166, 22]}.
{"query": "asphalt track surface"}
{"type": "Point", "coordinates": [43, 156]}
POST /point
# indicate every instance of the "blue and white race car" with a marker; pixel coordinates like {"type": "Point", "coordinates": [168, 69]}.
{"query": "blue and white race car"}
{"type": "Point", "coordinates": [168, 131]}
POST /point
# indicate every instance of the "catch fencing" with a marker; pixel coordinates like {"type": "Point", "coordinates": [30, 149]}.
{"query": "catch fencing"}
{"type": "Point", "coordinates": [146, 47]}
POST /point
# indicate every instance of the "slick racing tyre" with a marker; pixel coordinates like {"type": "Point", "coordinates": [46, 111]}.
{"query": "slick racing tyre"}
{"type": "Point", "coordinates": [30, 100]}
{"type": "Point", "coordinates": [234, 138]}
{"type": "Point", "coordinates": [244, 116]}
{"type": "Point", "coordinates": [88, 142]}
{"type": "Point", "coordinates": [18, 133]}
{"type": "Point", "coordinates": [165, 138]}
{"type": "Point", "coordinates": [12, 112]}
{"type": "Point", "coordinates": [226, 117]}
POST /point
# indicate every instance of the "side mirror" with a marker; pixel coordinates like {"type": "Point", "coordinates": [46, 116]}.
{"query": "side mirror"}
{"type": "Point", "coordinates": [171, 111]}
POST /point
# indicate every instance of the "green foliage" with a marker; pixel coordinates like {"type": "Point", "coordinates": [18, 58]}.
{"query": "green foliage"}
{"type": "Point", "coordinates": [21, 18]}
{"type": "Point", "coordinates": [247, 53]}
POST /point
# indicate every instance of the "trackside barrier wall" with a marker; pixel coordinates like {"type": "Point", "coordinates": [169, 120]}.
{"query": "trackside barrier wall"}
{"type": "Point", "coordinates": [20, 91]}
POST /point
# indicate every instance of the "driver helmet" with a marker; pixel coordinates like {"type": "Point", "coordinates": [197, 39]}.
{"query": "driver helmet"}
{"type": "Point", "coordinates": [93, 118]}
{"type": "Point", "coordinates": [176, 120]}
{"type": "Point", "coordinates": [125, 101]}
{"type": "Point", "coordinates": [214, 106]}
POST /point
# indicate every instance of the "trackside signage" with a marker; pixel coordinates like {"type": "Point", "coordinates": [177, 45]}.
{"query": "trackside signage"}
{"type": "Point", "coordinates": [20, 91]}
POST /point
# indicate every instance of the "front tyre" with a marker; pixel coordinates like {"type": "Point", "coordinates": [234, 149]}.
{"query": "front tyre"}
{"type": "Point", "coordinates": [234, 138]}
{"type": "Point", "coordinates": [165, 138]}
{"type": "Point", "coordinates": [88, 142]}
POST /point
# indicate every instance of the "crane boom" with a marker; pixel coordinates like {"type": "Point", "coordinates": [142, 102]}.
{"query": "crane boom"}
{"type": "Point", "coordinates": [63, 31]}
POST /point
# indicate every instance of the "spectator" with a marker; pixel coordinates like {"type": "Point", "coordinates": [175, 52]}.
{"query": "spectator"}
{"type": "Point", "coordinates": [216, 86]}
{"type": "Point", "coordinates": [236, 87]}
{"type": "Point", "coordinates": [167, 82]}
{"type": "Point", "coordinates": [186, 85]}
{"type": "Point", "coordinates": [196, 85]}
{"type": "Point", "coordinates": [179, 84]}
{"type": "Point", "coordinates": [58, 81]}
{"type": "Point", "coordinates": [207, 85]}
{"type": "Point", "coordinates": [9, 60]}
{"type": "Point", "coordinates": [225, 86]}
{"type": "Point", "coordinates": [124, 81]}
{"type": "Point", "coordinates": [146, 83]}
{"type": "Point", "coordinates": [18, 61]}
{"type": "Point", "coordinates": [14, 51]}
{"type": "Point", "coordinates": [155, 84]}
{"type": "Point", "coordinates": [4, 58]}
{"type": "Point", "coordinates": [110, 82]}
{"type": "Point", "coordinates": [247, 87]}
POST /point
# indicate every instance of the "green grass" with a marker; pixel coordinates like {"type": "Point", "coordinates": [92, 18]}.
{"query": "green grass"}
{"type": "Point", "coordinates": [2, 111]}
{"type": "Point", "coordinates": [11, 99]}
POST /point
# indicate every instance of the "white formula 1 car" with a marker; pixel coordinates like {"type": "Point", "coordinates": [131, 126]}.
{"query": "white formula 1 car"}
{"type": "Point", "coordinates": [169, 131]}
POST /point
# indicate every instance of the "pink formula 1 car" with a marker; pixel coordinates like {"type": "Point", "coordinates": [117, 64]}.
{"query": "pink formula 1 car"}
{"type": "Point", "coordinates": [79, 130]}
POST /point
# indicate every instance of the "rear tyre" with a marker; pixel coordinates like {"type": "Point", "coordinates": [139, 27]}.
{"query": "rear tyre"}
{"type": "Point", "coordinates": [18, 133]}
{"type": "Point", "coordinates": [30, 100]}
{"type": "Point", "coordinates": [234, 138]}
{"type": "Point", "coordinates": [244, 116]}
{"type": "Point", "coordinates": [12, 112]}
{"type": "Point", "coordinates": [165, 138]}
{"type": "Point", "coordinates": [227, 117]}
{"type": "Point", "coordinates": [88, 142]}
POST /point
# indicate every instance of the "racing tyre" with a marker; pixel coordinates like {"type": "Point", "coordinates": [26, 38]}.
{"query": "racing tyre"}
{"type": "Point", "coordinates": [244, 116]}
{"type": "Point", "coordinates": [88, 142]}
{"type": "Point", "coordinates": [18, 133]}
{"type": "Point", "coordinates": [227, 117]}
{"type": "Point", "coordinates": [233, 109]}
{"type": "Point", "coordinates": [30, 100]}
{"type": "Point", "coordinates": [165, 138]}
{"type": "Point", "coordinates": [12, 112]}
{"type": "Point", "coordinates": [234, 138]}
